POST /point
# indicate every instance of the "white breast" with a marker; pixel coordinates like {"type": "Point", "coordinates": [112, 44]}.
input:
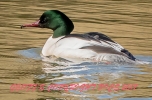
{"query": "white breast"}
{"type": "Point", "coordinates": [68, 47]}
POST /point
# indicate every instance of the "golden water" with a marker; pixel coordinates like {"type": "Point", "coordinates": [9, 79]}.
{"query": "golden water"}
{"type": "Point", "coordinates": [128, 22]}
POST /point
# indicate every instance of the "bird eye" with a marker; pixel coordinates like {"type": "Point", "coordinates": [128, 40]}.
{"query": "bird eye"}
{"type": "Point", "coordinates": [43, 19]}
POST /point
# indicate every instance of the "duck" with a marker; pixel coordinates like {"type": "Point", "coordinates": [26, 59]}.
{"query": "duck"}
{"type": "Point", "coordinates": [94, 46]}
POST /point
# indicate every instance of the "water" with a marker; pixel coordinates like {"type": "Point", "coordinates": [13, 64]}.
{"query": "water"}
{"type": "Point", "coordinates": [127, 22]}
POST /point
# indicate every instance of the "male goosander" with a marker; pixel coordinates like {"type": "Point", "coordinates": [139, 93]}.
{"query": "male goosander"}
{"type": "Point", "coordinates": [92, 45]}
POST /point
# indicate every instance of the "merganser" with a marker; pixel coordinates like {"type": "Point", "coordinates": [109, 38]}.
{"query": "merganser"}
{"type": "Point", "coordinates": [91, 45]}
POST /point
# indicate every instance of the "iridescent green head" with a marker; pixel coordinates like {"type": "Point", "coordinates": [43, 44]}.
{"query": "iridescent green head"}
{"type": "Point", "coordinates": [55, 20]}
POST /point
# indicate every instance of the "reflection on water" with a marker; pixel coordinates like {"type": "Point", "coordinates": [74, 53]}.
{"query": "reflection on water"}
{"type": "Point", "coordinates": [128, 22]}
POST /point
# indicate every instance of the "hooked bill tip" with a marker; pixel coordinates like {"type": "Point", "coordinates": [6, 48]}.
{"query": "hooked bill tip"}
{"type": "Point", "coordinates": [22, 26]}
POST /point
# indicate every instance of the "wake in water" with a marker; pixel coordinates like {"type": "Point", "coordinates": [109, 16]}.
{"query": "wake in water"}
{"type": "Point", "coordinates": [34, 53]}
{"type": "Point", "coordinates": [114, 60]}
{"type": "Point", "coordinates": [80, 71]}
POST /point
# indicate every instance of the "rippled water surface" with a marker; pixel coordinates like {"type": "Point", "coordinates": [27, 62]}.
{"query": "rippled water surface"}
{"type": "Point", "coordinates": [128, 22]}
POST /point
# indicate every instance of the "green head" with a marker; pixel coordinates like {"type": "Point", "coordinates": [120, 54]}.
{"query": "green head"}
{"type": "Point", "coordinates": [55, 20]}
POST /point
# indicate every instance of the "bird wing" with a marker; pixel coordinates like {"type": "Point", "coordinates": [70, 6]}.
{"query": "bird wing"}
{"type": "Point", "coordinates": [96, 42]}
